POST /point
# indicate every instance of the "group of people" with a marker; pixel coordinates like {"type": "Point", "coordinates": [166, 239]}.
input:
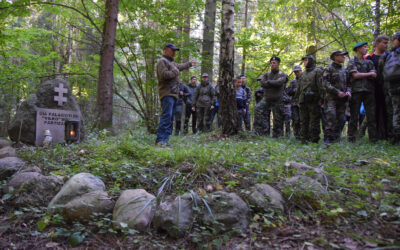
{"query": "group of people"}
{"type": "Point", "coordinates": [329, 95]}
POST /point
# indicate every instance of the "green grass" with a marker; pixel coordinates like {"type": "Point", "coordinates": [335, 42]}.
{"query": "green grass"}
{"type": "Point", "coordinates": [363, 184]}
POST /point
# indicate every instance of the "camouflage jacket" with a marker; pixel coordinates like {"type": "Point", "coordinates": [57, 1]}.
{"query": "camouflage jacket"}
{"type": "Point", "coordinates": [335, 80]}
{"type": "Point", "coordinates": [248, 93]}
{"type": "Point", "coordinates": [291, 90]}
{"type": "Point", "coordinates": [204, 96]}
{"type": "Point", "coordinates": [363, 84]}
{"type": "Point", "coordinates": [310, 88]}
{"type": "Point", "coordinates": [273, 84]}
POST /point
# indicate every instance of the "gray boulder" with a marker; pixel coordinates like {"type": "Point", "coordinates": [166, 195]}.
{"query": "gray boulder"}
{"type": "Point", "coordinates": [134, 208]}
{"type": "Point", "coordinates": [38, 191]}
{"type": "Point", "coordinates": [7, 152]}
{"type": "Point", "coordinates": [304, 184]}
{"type": "Point", "coordinates": [78, 185]}
{"type": "Point", "coordinates": [31, 169]}
{"type": "Point", "coordinates": [83, 207]}
{"type": "Point", "coordinates": [264, 197]}
{"type": "Point", "coordinates": [44, 98]}
{"type": "Point", "coordinates": [27, 114]}
{"type": "Point", "coordinates": [229, 210]}
{"type": "Point", "coordinates": [18, 179]}
{"type": "Point", "coordinates": [174, 216]}
{"type": "Point", "coordinates": [9, 166]}
{"type": "Point", "coordinates": [4, 143]}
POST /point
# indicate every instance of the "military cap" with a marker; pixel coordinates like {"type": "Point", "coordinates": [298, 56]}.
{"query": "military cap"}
{"type": "Point", "coordinates": [308, 56]}
{"type": "Point", "coordinates": [171, 46]}
{"type": "Point", "coordinates": [242, 75]}
{"type": "Point", "coordinates": [204, 75]}
{"type": "Point", "coordinates": [396, 36]}
{"type": "Point", "coordinates": [359, 45]}
{"type": "Point", "coordinates": [296, 68]}
{"type": "Point", "coordinates": [192, 77]}
{"type": "Point", "coordinates": [338, 52]}
{"type": "Point", "coordinates": [275, 58]}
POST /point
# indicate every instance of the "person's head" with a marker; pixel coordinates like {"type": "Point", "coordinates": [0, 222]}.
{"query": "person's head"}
{"type": "Point", "coordinates": [204, 77]}
{"type": "Point", "coordinates": [381, 43]}
{"type": "Point", "coordinates": [193, 80]}
{"type": "Point", "coordinates": [170, 49]}
{"type": "Point", "coordinates": [238, 82]}
{"type": "Point", "coordinates": [309, 61]}
{"type": "Point", "coordinates": [338, 56]}
{"type": "Point", "coordinates": [396, 40]}
{"type": "Point", "coordinates": [361, 48]}
{"type": "Point", "coordinates": [243, 79]}
{"type": "Point", "coordinates": [297, 71]}
{"type": "Point", "coordinates": [274, 62]}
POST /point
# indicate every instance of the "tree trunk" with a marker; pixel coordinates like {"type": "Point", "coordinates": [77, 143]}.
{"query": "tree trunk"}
{"type": "Point", "coordinates": [377, 30]}
{"type": "Point", "coordinates": [208, 38]}
{"type": "Point", "coordinates": [226, 62]}
{"type": "Point", "coordinates": [246, 9]}
{"type": "Point", "coordinates": [106, 75]}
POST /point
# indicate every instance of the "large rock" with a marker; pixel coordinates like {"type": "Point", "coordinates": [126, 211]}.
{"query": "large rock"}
{"type": "Point", "coordinates": [135, 208]}
{"type": "Point", "coordinates": [304, 185]}
{"type": "Point", "coordinates": [83, 207]}
{"type": "Point", "coordinates": [38, 191]}
{"type": "Point", "coordinates": [25, 116]}
{"type": "Point", "coordinates": [19, 179]}
{"type": "Point", "coordinates": [7, 152]}
{"type": "Point", "coordinates": [9, 166]}
{"type": "Point", "coordinates": [4, 143]}
{"type": "Point", "coordinates": [229, 210]}
{"type": "Point", "coordinates": [78, 185]}
{"type": "Point", "coordinates": [174, 216]}
{"type": "Point", "coordinates": [264, 197]}
{"type": "Point", "coordinates": [44, 98]}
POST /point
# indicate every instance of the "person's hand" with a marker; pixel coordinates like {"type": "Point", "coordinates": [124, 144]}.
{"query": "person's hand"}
{"type": "Point", "coordinates": [212, 107]}
{"type": "Point", "coordinates": [193, 109]}
{"type": "Point", "coordinates": [341, 94]}
{"type": "Point", "coordinates": [320, 103]}
{"type": "Point", "coordinates": [193, 63]}
{"type": "Point", "coordinates": [244, 112]}
{"type": "Point", "coordinates": [348, 94]}
{"type": "Point", "coordinates": [373, 74]}
{"type": "Point", "coordinates": [181, 92]}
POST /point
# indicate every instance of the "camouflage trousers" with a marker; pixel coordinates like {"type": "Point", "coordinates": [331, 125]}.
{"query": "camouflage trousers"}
{"type": "Point", "coordinates": [368, 98]}
{"type": "Point", "coordinates": [287, 116]}
{"type": "Point", "coordinates": [334, 113]}
{"type": "Point", "coordinates": [310, 118]}
{"type": "Point", "coordinates": [295, 120]}
{"type": "Point", "coordinates": [203, 115]}
{"type": "Point", "coordinates": [262, 116]}
{"type": "Point", "coordinates": [396, 118]}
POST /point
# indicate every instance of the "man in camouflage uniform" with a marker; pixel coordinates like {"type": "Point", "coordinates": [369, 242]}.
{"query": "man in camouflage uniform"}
{"type": "Point", "coordinates": [204, 101]}
{"type": "Point", "coordinates": [291, 90]}
{"type": "Point", "coordinates": [337, 93]}
{"type": "Point", "coordinates": [393, 85]}
{"type": "Point", "coordinates": [362, 74]}
{"type": "Point", "coordinates": [248, 100]}
{"type": "Point", "coordinates": [273, 83]}
{"type": "Point", "coordinates": [309, 95]}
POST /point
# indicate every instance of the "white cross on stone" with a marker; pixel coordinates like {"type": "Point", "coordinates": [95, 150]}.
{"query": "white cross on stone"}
{"type": "Point", "coordinates": [61, 91]}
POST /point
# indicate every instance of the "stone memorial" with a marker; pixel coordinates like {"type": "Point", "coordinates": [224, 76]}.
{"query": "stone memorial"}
{"type": "Point", "coordinates": [52, 114]}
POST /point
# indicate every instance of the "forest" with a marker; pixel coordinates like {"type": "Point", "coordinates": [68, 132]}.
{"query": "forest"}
{"type": "Point", "coordinates": [102, 181]}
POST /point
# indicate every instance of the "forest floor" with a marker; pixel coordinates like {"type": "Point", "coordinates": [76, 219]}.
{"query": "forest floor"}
{"type": "Point", "coordinates": [360, 211]}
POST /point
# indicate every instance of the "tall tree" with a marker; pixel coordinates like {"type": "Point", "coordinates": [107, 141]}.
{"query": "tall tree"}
{"type": "Point", "coordinates": [246, 10]}
{"type": "Point", "coordinates": [377, 30]}
{"type": "Point", "coordinates": [106, 73]}
{"type": "Point", "coordinates": [226, 63]}
{"type": "Point", "coordinates": [208, 38]}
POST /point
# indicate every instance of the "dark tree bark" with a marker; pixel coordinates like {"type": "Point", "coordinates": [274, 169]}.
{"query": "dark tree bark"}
{"type": "Point", "coordinates": [377, 30]}
{"type": "Point", "coordinates": [106, 75]}
{"type": "Point", "coordinates": [226, 62]}
{"type": "Point", "coordinates": [208, 38]}
{"type": "Point", "coordinates": [246, 9]}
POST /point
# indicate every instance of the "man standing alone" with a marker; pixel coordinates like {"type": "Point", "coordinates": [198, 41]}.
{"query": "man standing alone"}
{"type": "Point", "coordinates": [168, 88]}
